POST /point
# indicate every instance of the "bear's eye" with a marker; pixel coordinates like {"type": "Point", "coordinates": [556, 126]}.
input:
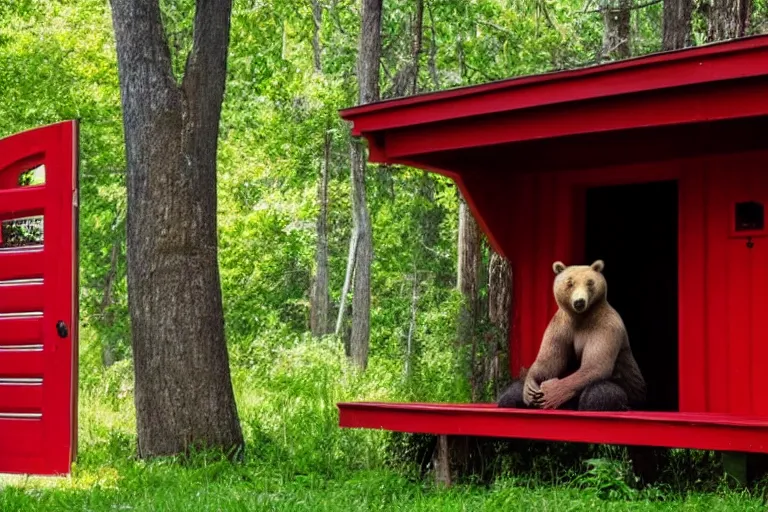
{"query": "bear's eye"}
{"type": "Point", "coordinates": [569, 283]}
{"type": "Point", "coordinates": [590, 283]}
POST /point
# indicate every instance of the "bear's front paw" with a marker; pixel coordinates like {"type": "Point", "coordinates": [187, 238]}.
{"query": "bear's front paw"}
{"type": "Point", "coordinates": [531, 393]}
{"type": "Point", "coordinates": [553, 394]}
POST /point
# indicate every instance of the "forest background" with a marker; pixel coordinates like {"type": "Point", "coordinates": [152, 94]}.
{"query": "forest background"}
{"type": "Point", "coordinates": [285, 221]}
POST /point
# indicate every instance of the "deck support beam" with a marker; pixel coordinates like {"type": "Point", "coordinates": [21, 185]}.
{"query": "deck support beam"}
{"type": "Point", "coordinates": [735, 467]}
{"type": "Point", "coordinates": [441, 461]}
{"type": "Point", "coordinates": [455, 457]}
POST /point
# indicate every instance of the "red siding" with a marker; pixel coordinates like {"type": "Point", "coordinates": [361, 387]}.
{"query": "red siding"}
{"type": "Point", "coordinates": [722, 283]}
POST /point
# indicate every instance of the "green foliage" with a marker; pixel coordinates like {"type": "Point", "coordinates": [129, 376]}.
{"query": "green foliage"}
{"type": "Point", "coordinates": [608, 478]}
{"type": "Point", "coordinates": [58, 62]}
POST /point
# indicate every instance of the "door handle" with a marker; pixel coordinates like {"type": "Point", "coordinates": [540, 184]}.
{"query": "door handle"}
{"type": "Point", "coordinates": [61, 328]}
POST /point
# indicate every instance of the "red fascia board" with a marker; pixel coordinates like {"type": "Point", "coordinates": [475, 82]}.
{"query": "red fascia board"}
{"type": "Point", "coordinates": [747, 57]}
{"type": "Point", "coordinates": [732, 100]}
{"type": "Point", "coordinates": [702, 431]}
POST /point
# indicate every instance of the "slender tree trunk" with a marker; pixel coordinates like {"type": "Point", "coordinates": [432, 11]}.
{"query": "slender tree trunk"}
{"type": "Point", "coordinates": [416, 46]}
{"type": "Point", "coordinates": [183, 390]}
{"type": "Point", "coordinates": [433, 52]}
{"type": "Point", "coordinates": [363, 256]}
{"type": "Point", "coordinates": [320, 295]}
{"type": "Point", "coordinates": [728, 19]}
{"type": "Point", "coordinates": [406, 80]}
{"type": "Point", "coordinates": [499, 305]}
{"type": "Point", "coordinates": [317, 18]}
{"type": "Point", "coordinates": [468, 281]}
{"type": "Point", "coordinates": [677, 24]}
{"type": "Point", "coordinates": [320, 291]}
{"type": "Point", "coordinates": [107, 346]}
{"type": "Point", "coordinates": [368, 65]}
{"type": "Point", "coordinates": [409, 349]}
{"type": "Point", "coordinates": [616, 29]}
{"type": "Point", "coordinates": [353, 239]}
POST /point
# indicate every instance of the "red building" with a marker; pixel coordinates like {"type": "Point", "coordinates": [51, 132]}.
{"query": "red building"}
{"type": "Point", "coordinates": [657, 165]}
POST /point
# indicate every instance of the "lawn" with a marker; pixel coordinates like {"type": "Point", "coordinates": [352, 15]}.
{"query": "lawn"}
{"type": "Point", "coordinates": [301, 461]}
{"type": "Point", "coordinates": [220, 486]}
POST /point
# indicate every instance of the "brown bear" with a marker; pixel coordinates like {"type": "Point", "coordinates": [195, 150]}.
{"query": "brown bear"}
{"type": "Point", "coordinates": [585, 361]}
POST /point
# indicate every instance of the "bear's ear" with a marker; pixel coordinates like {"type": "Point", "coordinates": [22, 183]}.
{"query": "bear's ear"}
{"type": "Point", "coordinates": [558, 267]}
{"type": "Point", "coordinates": [598, 266]}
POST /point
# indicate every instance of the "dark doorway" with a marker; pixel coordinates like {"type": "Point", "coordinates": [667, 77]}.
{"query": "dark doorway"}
{"type": "Point", "coordinates": [633, 228]}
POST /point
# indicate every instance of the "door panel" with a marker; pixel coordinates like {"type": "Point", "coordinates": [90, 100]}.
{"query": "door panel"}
{"type": "Point", "coordinates": [38, 303]}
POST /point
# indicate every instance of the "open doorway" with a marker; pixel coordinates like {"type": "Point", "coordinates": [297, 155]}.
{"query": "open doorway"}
{"type": "Point", "coordinates": [633, 228]}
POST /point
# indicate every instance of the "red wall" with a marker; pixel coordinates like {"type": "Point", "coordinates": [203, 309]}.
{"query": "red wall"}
{"type": "Point", "coordinates": [535, 219]}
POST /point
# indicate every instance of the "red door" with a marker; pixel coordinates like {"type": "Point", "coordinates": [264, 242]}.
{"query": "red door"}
{"type": "Point", "coordinates": [38, 302]}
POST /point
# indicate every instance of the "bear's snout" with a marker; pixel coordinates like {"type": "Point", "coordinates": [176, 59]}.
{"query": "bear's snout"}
{"type": "Point", "coordinates": [579, 305]}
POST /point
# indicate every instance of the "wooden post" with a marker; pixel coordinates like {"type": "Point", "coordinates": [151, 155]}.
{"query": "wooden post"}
{"type": "Point", "coordinates": [442, 462]}
{"type": "Point", "coordinates": [647, 462]}
{"type": "Point", "coordinates": [735, 466]}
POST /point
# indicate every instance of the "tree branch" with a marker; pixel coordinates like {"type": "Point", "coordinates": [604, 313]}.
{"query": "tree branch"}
{"type": "Point", "coordinates": [206, 67]}
{"type": "Point", "coordinates": [494, 26]}
{"type": "Point", "coordinates": [138, 27]}
{"type": "Point", "coordinates": [630, 8]}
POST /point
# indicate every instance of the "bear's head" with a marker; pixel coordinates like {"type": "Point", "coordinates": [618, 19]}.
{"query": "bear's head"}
{"type": "Point", "coordinates": [578, 287]}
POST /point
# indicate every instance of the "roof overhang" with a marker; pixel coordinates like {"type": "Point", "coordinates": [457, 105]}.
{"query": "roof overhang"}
{"type": "Point", "coordinates": [662, 105]}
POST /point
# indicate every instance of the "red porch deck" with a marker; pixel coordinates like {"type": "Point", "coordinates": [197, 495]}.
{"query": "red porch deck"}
{"type": "Point", "coordinates": [703, 431]}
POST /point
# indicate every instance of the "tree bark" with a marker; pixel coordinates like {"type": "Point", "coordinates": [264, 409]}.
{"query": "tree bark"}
{"type": "Point", "coordinates": [433, 52]}
{"type": "Point", "coordinates": [499, 305]}
{"type": "Point", "coordinates": [677, 24]}
{"type": "Point", "coordinates": [417, 46]}
{"type": "Point", "coordinates": [469, 262]}
{"type": "Point", "coordinates": [406, 80]}
{"type": "Point", "coordinates": [728, 19]}
{"type": "Point", "coordinates": [320, 292]}
{"type": "Point", "coordinates": [369, 53]}
{"type": "Point", "coordinates": [409, 350]}
{"type": "Point", "coordinates": [353, 239]}
{"type": "Point", "coordinates": [468, 281]}
{"type": "Point", "coordinates": [368, 65]}
{"type": "Point", "coordinates": [107, 346]}
{"type": "Point", "coordinates": [363, 257]}
{"type": "Point", "coordinates": [317, 18]}
{"type": "Point", "coordinates": [616, 30]}
{"type": "Point", "coordinates": [183, 390]}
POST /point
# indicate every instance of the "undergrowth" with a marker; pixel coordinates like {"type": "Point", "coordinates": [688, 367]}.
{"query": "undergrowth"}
{"type": "Point", "coordinates": [297, 458]}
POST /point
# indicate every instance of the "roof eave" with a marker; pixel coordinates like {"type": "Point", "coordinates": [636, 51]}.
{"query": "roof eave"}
{"type": "Point", "coordinates": [705, 64]}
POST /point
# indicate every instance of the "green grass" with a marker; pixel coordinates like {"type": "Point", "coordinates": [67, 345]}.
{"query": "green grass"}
{"type": "Point", "coordinates": [220, 486]}
{"type": "Point", "coordinates": [298, 459]}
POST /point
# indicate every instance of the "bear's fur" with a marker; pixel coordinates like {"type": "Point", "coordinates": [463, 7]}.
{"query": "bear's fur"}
{"type": "Point", "coordinates": [585, 361]}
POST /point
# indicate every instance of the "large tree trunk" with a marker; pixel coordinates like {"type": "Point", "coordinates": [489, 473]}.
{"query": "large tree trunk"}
{"type": "Point", "coordinates": [183, 391]}
{"type": "Point", "coordinates": [677, 24]}
{"type": "Point", "coordinates": [368, 63]}
{"type": "Point", "coordinates": [616, 29]}
{"type": "Point", "coordinates": [728, 19]}
{"type": "Point", "coordinates": [468, 281]}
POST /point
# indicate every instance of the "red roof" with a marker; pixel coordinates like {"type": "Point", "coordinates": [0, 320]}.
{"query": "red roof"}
{"type": "Point", "coordinates": [717, 82]}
